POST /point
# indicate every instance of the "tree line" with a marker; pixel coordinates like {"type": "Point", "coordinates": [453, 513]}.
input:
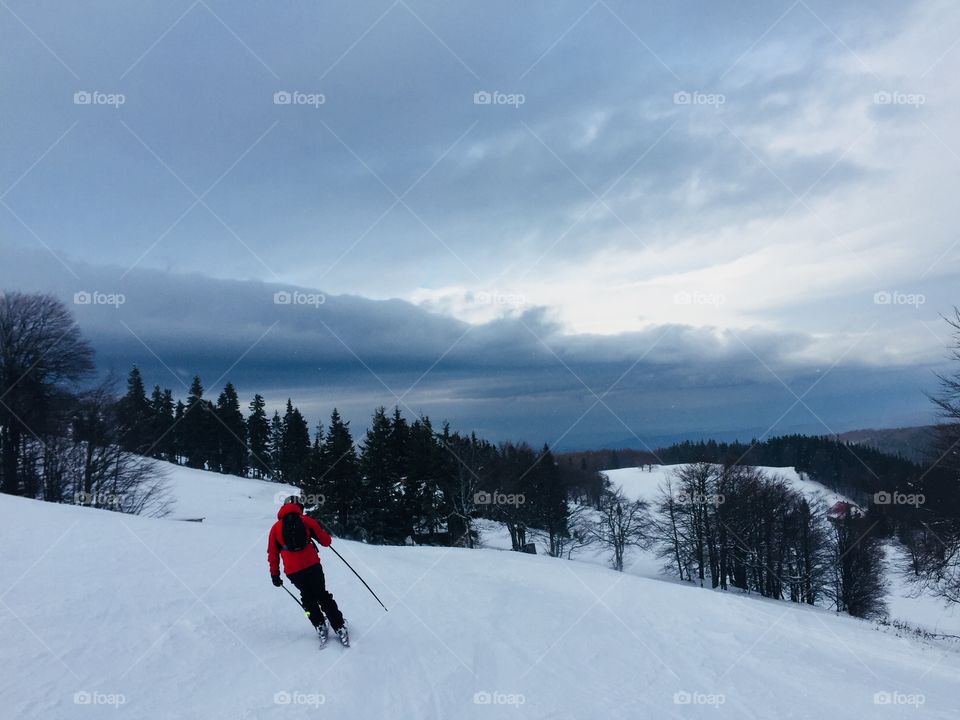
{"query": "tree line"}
{"type": "Point", "coordinates": [855, 471]}
{"type": "Point", "coordinates": [401, 481]}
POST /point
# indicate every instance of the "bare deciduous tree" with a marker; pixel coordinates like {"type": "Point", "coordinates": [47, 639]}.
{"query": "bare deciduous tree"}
{"type": "Point", "coordinates": [858, 585]}
{"type": "Point", "coordinates": [933, 535]}
{"type": "Point", "coordinates": [41, 355]}
{"type": "Point", "coordinates": [101, 473]}
{"type": "Point", "coordinates": [622, 524]}
{"type": "Point", "coordinates": [737, 527]}
{"type": "Point", "coordinates": [56, 443]}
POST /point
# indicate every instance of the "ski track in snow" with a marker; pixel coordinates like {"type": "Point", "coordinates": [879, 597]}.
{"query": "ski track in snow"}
{"type": "Point", "coordinates": [180, 619]}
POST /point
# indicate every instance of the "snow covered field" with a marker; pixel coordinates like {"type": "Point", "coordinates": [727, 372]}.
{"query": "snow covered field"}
{"type": "Point", "coordinates": [903, 601]}
{"type": "Point", "coordinates": [104, 615]}
{"type": "Point", "coordinates": [642, 483]}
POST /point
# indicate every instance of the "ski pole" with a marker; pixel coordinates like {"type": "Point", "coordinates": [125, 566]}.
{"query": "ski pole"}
{"type": "Point", "coordinates": [305, 611]}
{"type": "Point", "coordinates": [359, 578]}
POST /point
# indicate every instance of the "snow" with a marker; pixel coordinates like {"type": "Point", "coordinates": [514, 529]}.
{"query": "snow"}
{"type": "Point", "coordinates": [904, 602]}
{"type": "Point", "coordinates": [643, 483]}
{"type": "Point", "coordinates": [158, 618]}
{"type": "Point", "coordinates": [916, 608]}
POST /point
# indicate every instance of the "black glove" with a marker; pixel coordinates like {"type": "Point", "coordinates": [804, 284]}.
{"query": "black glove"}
{"type": "Point", "coordinates": [276, 580]}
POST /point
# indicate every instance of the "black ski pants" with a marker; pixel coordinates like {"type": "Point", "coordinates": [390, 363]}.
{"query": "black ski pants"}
{"type": "Point", "coordinates": [317, 601]}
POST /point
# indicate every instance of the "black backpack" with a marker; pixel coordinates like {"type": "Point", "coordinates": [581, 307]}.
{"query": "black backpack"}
{"type": "Point", "coordinates": [294, 532]}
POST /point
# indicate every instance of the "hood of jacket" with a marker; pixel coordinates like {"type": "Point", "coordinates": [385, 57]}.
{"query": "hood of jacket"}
{"type": "Point", "coordinates": [288, 508]}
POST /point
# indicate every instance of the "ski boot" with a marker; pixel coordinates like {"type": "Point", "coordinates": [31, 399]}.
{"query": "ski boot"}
{"type": "Point", "coordinates": [344, 636]}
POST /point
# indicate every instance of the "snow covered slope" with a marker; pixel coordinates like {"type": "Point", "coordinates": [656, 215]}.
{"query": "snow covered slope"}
{"type": "Point", "coordinates": [640, 483]}
{"type": "Point", "coordinates": [112, 616]}
{"type": "Point", "coordinates": [904, 602]}
{"type": "Point", "coordinates": [644, 484]}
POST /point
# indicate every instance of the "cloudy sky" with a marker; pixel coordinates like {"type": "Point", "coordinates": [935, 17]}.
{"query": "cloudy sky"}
{"type": "Point", "coordinates": [570, 222]}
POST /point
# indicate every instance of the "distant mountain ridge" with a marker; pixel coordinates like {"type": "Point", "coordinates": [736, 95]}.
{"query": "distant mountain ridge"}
{"type": "Point", "coordinates": [911, 443]}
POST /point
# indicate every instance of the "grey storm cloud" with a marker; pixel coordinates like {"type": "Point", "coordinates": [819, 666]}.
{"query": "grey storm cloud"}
{"type": "Point", "coordinates": [660, 151]}
{"type": "Point", "coordinates": [509, 377]}
{"type": "Point", "coordinates": [201, 319]}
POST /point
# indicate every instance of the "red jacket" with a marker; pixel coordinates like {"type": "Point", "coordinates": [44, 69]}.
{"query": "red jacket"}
{"type": "Point", "coordinates": [294, 561]}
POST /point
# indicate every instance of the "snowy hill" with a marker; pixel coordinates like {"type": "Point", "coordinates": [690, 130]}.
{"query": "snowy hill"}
{"type": "Point", "coordinates": [105, 615]}
{"type": "Point", "coordinates": [642, 484]}
{"type": "Point", "coordinates": [904, 602]}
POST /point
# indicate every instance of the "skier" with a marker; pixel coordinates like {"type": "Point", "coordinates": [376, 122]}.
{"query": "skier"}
{"type": "Point", "coordinates": [291, 539]}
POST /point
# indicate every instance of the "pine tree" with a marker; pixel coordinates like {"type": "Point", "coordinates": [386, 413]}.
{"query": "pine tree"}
{"type": "Point", "coordinates": [314, 470]}
{"type": "Point", "coordinates": [548, 501]}
{"type": "Point", "coordinates": [275, 447]}
{"type": "Point", "coordinates": [517, 467]}
{"type": "Point", "coordinates": [133, 410]}
{"type": "Point", "coordinates": [614, 460]}
{"type": "Point", "coordinates": [294, 447]}
{"type": "Point", "coordinates": [401, 521]}
{"type": "Point", "coordinates": [179, 439]}
{"type": "Point", "coordinates": [198, 436]}
{"type": "Point", "coordinates": [231, 432]}
{"type": "Point", "coordinates": [399, 438]}
{"type": "Point", "coordinates": [423, 501]}
{"type": "Point", "coordinates": [381, 475]}
{"type": "Point", "coordinates": [161, 424]}
{"type": "Point", "coordinates": [465, 467]}
{"type": "Point", "coordinates": [340, 476]}
{"type": "Point", "coordinates": [156, 419]}
{"type": "Point", "coordinates": [258, 437]}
